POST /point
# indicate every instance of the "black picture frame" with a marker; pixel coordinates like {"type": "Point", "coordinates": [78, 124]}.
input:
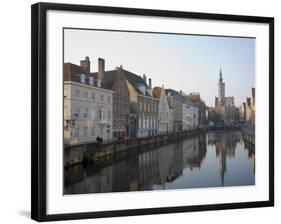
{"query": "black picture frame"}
{"type": "Point", "coordinates": [39, 107]}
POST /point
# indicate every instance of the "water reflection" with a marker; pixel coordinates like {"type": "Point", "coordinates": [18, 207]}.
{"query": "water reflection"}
{"type": "Point", "coordinates": [211, 160]}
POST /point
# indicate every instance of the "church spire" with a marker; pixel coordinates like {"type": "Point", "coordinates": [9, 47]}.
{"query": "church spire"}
{"type": "Point", "coordinates": [220, 75]}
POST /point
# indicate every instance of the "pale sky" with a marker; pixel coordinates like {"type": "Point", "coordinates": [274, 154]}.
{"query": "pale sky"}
{"type": "Point", "coordinates": [189, 63]}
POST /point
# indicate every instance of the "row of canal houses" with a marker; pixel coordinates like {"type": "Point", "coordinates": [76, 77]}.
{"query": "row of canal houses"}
{"type": "Point", "coordinates": [119, 104]}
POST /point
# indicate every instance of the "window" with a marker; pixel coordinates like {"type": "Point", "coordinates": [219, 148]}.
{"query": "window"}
{"type": "Point", "coordinates": [91, 81]}
{"type": "Point", "coordinates": [82, 78]}
{"type": "Point", "coordinates": [77, 93]}
{"type": "Point", "coordinates": [85, 130]}
{"type": "Point", "coordinates": [93, 131]}
{"type": "Point", "coordinates": [76, 114]}
{"type": "Point", "coordinates": [140, 123]}
{"type": "Point", "coordinates": [85, 115]}
{"type": "Point", "coordinates": [93, 96]}
{"type": "Point", "coordinates": [85, 95]}
{"type": "Point", "coordinates": [108, 99]}
{"type": "Point", "coordinates": [100, 114]}
{"type": "Point", "coordinates": [101, 98]}
{"type": "Point", "coordinates": [76, 133]}
{"type": "Point", "coordinates": [109, 115]}
{"type": "Point", "coordinates": [93, 114]}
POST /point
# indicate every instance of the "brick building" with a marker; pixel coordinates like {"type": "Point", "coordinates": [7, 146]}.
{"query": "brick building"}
{"type": "Point", "coordinates": [115, 80]}
{"type": "Point", "coordinates": [144, 107]}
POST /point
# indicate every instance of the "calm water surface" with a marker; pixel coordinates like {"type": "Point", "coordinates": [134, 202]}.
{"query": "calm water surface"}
{"type": "Point", "coordinates": [210, 160]}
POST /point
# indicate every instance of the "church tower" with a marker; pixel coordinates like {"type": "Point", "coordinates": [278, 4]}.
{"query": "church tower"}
{"type": "Point", "coordinates": [221, 89]}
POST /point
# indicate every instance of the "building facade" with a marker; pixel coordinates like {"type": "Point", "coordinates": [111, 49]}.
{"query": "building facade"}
{"type": "Point", "coordinates": [189, 115]}
{"type": "Point", "coordinates": [248, 108]}
{"type": "Point", "coordinates": [201, 106]}
{"type": "Point", "coordinates": [115, 81]}
{"type": "Point", "coordinates": [229, 110]}
{"type": "Point", "coordinates": [249, 111]}
{"type": "Point", "coordinates": [171, 119]}
{"type": "Point", "coordinates": [87, 106]}
{"type": "Point", "coordinates": [175, 103]}
{"type": "Point", "coordinates": [253, 106]}
{"type": "Point", "coordinates": [163, 110]}
{"type": "Point", "coordinates": [143, 105]}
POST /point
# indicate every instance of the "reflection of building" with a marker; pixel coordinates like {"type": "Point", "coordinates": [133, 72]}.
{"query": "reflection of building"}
{"type": "Point", "coordinates": [176, 162]}
{"type": "Point", "coordinates": [181, 164]}
{"type": "Point", "coordinates": [225, 144]}
{"type": "Point", "coordinates": [148, 169]}
{"type": "Point", "coordinates": [143, 104]}
{"type": "Point", "coordinates": [163, 109]}
{"type": "Point", "coordinates": [225, 106]}
{"type": "Point", "coordinates": [125, 175]}
{"type": "Point", "coordinates": [87, 182]}
{"type": "Point", "coordinates": [87, 105]}
{"type": "Point", "coordinates": [194, 151]}
{"type": "Point", "coordinates": [164, 160]}
{"type": "Point", "coordinates": [175, 103]}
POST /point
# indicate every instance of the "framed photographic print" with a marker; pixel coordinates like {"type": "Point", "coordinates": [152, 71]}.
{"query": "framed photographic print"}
{"type": "Point", "coordinates": [140, 111]}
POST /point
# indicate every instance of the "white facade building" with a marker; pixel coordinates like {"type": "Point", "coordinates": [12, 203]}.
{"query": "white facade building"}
{"type": "Point", "coordinates": [190, 116]}
{"type": "Point", "coordinates": [87, 112]}
{"type": "Point", "coordinates": [171, 120]}
{"type": "Point", "coordinates": [163, 108]}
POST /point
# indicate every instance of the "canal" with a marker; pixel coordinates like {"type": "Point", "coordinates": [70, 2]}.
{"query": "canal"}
{"type": "Point", "coordinates": [218, 158]}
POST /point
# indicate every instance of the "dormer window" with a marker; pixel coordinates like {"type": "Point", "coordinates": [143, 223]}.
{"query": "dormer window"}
{"type": "Point", "coordinates": [82, 78]}
{"type": "Point", "coordinates": [91, 81]}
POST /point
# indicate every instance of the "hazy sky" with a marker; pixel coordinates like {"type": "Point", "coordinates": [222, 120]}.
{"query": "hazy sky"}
{"type": "Point", "coordinates": [183, 62]}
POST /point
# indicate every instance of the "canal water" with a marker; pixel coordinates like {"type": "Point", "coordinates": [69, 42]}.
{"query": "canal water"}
{"type": "Point", "coordinates": [215, 159]}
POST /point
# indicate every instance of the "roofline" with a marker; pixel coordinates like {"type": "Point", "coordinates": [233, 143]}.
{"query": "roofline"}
{"type": "Point", "coordinates": [148, 96]}
{"type": "Point", "coordinates": [89, 86]}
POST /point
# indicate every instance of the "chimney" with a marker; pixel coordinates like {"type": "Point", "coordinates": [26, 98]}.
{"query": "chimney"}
{"type": "Point", "coordinates": [144, 78]}
{"type": "Point", "coordinates": [101, 69]}
{"type": "Point", "coordinates": [149, 81]}
{"type": "Point", "coordinates": [85, 64]}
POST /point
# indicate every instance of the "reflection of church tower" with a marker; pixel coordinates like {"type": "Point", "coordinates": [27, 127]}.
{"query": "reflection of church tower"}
{"type": "Point", "coordinates": [222, 165]}
{"type": "Point", "coordinates": [221, 154]}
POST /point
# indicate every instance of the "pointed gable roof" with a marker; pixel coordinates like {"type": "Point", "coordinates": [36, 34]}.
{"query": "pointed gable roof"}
{"type": "Point", "coordinates": [136, 81]}
{"type": "Point", "coordinates": [172, 92]}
